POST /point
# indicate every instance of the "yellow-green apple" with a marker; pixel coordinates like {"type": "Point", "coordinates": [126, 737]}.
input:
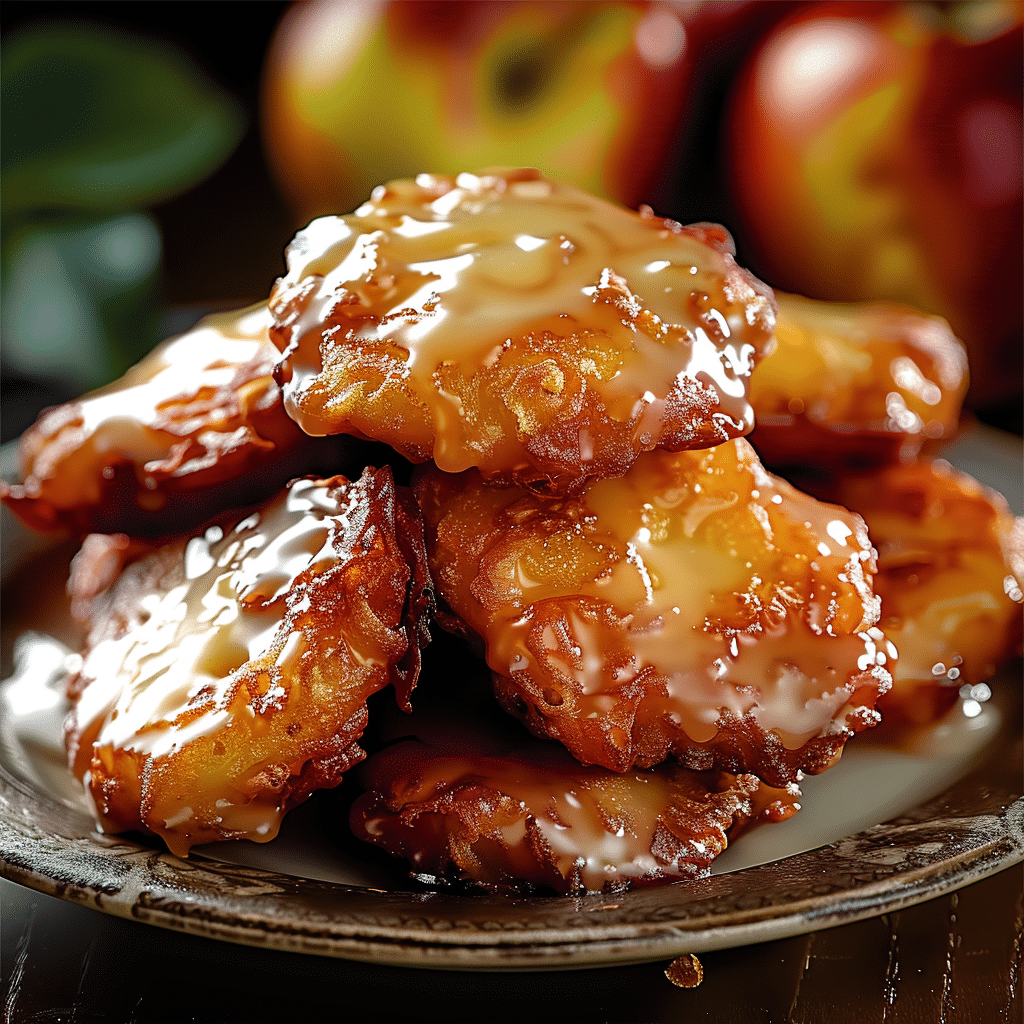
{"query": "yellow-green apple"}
{"type": "Point", "coordinates": [874, 152]}
{"type": "Point", "coordinates": [358, 93]}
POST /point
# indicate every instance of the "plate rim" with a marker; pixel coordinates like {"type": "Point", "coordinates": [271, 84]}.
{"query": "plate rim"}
{"type": "Point", "coordinates": [128, 879]}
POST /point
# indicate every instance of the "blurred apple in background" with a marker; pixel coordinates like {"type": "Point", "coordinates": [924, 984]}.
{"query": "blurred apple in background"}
{"type": "Point", "coordinates": [358, 93]}
{"type": "Point", "coordinates": [874, 152]}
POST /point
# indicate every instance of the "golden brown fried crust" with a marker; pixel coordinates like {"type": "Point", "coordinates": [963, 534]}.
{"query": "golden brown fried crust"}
{"type": "Point", "coordinates": [96, 568]}
{"type": "Point", "coordinates": [697, 607]}
{"type": "Point", "coordinates": [188, 432]}
{"type": "Point", "coordinates": [950, 566]}
{"type": "Point", "coordinates": [293, 619]}
{"type": "Point", "coordinates": [637, 727]}
{"type": "Point", "coordinates": [580, 373]}
{"type": "Point", "coordinates": [855, 385]}
{"type": "Point", "coordinates": [523, 816]}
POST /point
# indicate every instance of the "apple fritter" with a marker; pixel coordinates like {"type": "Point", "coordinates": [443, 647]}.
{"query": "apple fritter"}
{"type": "Point", "coordinates": [950, 569]}
{"type": "Point", "coordinates": [225, 677]}
{"type": "Point", "coordinates": [461, 804]}
{"type": "Point", "coordinates": [519, 326]}
{"type": "Point", "coordinates": [697, 607]}
{"type": "Point", "coordinates": [855, 385]}
{"type": "Point", "coordinates": [196, 427]}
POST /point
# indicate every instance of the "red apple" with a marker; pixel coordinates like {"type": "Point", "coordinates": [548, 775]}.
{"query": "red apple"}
{"type": "Point", "coordinates": [875, 153]}
{"type": "Point", "coordinates": [358, 93]}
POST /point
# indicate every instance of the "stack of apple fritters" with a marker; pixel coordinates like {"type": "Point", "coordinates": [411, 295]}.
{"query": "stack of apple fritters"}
{"type": "Point", "coordinates": [684, 632]}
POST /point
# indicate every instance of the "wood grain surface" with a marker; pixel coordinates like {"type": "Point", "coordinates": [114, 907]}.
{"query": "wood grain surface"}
{"type": "Point", "coordinates": [953, 960]}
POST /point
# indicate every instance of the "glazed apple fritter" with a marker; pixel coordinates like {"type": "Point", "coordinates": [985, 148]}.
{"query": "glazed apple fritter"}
{"type": "Point", "coordinates": [225, 677]}
{"type": "Point", "coordinates": [950, 568]}
{"type": "Point", "coordinates": [463, 801]}
{"type": "Point", "coordinates": [697, 607]}
{"type": "Point", "coordinates": [196, 427]}
{"type": "Point", "coordinates": [520, 326]}
{"type": "Point", "coordinates": [855, 385]}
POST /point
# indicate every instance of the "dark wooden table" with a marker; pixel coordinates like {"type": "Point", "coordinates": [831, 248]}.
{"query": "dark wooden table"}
{"type": "Point", "coordinates": [955, 960]}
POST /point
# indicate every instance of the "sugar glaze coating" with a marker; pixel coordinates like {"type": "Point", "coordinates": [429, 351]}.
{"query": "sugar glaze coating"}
{"type": "Point", "coordinates": [696, 606]}
{"type": "Point", "coordinates": [520, 326]}
{"type": "Point", "coordinates": [950, 576]}
{"type": "Point", "coordinates": [225, 677]}
{"type": "Point", "coordinates": [463, 803]}
{"type": "Point", "coordinates": [855, 384]}
{"type": "Point", "coordinates": [194, 427]}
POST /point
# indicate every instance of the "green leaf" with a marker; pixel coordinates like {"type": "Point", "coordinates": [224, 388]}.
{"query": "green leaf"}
{"type": "Point", "coordinates": [80, 296]}
{"type": "Point", "coordinates": [96, 119]}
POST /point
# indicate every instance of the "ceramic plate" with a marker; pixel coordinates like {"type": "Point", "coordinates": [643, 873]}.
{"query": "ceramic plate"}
{"type": "Point", "coordinates": [887, 828]}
